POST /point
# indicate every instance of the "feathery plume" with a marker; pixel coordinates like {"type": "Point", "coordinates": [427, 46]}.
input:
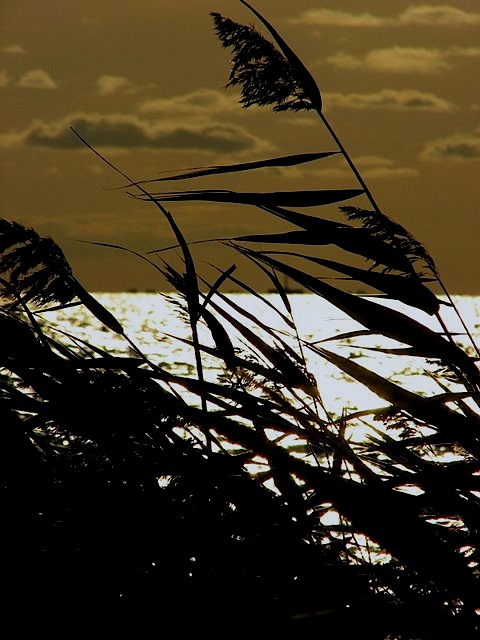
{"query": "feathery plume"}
{"type": "Point", "coordinates": [265, 75]}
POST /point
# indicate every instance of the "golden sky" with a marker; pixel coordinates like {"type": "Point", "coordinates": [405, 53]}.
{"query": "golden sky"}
{"type": "Point", "coordinates": [143, 81]}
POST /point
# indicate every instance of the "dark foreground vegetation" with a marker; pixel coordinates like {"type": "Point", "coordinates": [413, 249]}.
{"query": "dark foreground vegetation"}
{"type": "Point", "coordinates": [330, 537]}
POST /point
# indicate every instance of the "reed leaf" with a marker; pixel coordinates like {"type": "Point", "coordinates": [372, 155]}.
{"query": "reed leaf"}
{"type": "Point", "coordinates": [216, 287]}
{"type": "Point", "coordinates": [279, 288]}
{"type": "Point", "coordinates": [282, 198]}
{"type": "Point", "coordinates": [352, 239]}
{"type": "Point", "coordinates": [225, 348]}
{"type": "Point", "coordinates": [405, 289]}
{"type": "Point", "coordinates": [98, 310]}
{"type": "Point", "coordinates": [282, 161]}
{"type": "Point", "coordinates": [287, 237]}
{"type": "Point", "coordinates": [347, 335]}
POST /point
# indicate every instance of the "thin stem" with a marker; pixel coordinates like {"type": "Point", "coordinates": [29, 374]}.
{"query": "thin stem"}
{"type": "Point", "coordinates": [350, 163]}
{"type": "Point", "coordinates": [474, 344]}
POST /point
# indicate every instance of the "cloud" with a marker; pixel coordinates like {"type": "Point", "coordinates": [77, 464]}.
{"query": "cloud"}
{"type": "Point", "coordinates": [334, 17]}
{"type": "Point", "coordinates": [13, 49]}
{"type": "Point", "coordinates": [4, 78]}
{"type": "Point", "coordinates": [389, 99]}
{"type": "Point", "coordinates": [403, 59]}
{"type": "Point", "coordinates": [440, 15]}
{"type": "Point", "coordinates": [372, 167]}
{"type": "Point", "coordinates": [121, 131]}
{"type": "Point", "coordinates": [466, 52]}
{"type": "Point", "coordinates": [389, 173]}
{"type": "Point", "coordinates": [36, 79]}
{"type": "Point", "coordinates": [202, 102]}
{"type": "Point", "coordinates": [459, 147]}
{"type": "Point", "coordinates": [395, 59]}
{"type": "Point", "coordinates": [364, 162]}
{"type": "Point", "coordinates": [109, 85]}
{"type": "Point", "coordinates": [343, 60]}
{"type": "Point", "coordinates": [428, 15]}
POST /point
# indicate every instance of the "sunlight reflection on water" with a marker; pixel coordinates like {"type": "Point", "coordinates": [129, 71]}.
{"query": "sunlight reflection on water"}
{"type": "Point", "coordinates": [155, 325]}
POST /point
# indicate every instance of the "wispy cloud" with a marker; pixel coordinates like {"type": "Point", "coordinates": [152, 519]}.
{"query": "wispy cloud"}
{"type": "Point", "coordinates": [458, 147]}
{"type": "Point", "coordinates": [383, 168]}
{"type": "Point", "coordinates": [202, 102]}
{"type": "Point", "coordinates": [389, 173]}
{"type": "Point", "coordinates": [337, 18]}
{"type": "Point", "coordinates": [36, 79]}
{"type": "Point", "coordinates": [375, 167]}
{"type": "Point", "coordinates": [122, 131]}
{"type": "Point", "coordinates": [388, 99]}
{"type": "Point", "coordinates": [438, 15]}
{"type": "Point", "coordinates": [403, 59]}
{"type": "Point", "coordinates": [109, 84]}
{"type": "Point", "coordinates": [428, 15]}
{"type": "Point", "coordinates": [13, 49]}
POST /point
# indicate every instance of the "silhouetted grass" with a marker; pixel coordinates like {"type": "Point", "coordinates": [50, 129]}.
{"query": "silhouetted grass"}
{"type": "Point", "coordinates": [330, 536]}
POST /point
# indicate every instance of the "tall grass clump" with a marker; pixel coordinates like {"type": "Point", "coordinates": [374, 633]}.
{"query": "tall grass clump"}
{"type": "Point", "coordinates": [272, 515]}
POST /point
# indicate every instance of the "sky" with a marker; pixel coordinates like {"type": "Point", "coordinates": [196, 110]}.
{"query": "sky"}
{"type": "Point", "coordinates": [144, 82]}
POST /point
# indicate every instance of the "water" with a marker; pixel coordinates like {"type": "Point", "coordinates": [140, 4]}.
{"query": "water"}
{"type": "Point", "coordinates": [153, 323]}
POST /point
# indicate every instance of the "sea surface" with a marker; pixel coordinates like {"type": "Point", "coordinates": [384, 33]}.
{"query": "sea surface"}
{"type": "Point", "coordinates": [156, 326]}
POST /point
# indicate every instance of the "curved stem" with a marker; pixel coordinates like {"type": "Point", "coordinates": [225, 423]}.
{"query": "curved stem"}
{"type": "Point", "coordinates": [191, 286]}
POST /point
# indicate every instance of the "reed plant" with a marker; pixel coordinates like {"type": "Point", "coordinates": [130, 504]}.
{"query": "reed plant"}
{"type": "Point", "coordinates": [272, 516]}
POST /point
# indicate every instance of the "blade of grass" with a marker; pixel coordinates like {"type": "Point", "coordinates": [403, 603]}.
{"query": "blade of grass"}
{"type": "Point", "coordinates": [405, 289]}
{"type": "Point", "coordinates": [310, 198]}
{"type": "Point", "coordinates": [283, 161]}
{"type": "Point", "coordinates": [320, 231]}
